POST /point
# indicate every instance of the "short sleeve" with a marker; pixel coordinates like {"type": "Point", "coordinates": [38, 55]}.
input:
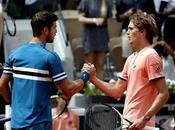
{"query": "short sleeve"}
{"type": "Point", "coordinates": [56, 68]}
{"type": "Point", "coordinates": [83, 6]}
{"type": "Point", "coordinates": [154, 67]}
{"type": "Point", "coordinates": [124, 73]}
{"type": "Point", "coordinates": [7, 67]}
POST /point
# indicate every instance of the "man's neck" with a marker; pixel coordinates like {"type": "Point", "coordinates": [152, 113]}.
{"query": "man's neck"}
{"type": "Point", "coordinates": [143, 45]}
{"type": "Point", "coordinates": [38, 40]}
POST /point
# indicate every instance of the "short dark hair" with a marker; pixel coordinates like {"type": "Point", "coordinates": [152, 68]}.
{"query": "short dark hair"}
{"type": "Point", "coordinates": [42, 19]}
{"type": "Point", "coordinates": [142, 21]}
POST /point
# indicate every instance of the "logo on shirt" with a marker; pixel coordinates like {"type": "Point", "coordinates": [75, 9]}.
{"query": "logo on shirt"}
{"type": "Point", "coordinates": [134, 66]}
{"type": "Point", "coordinates": [157, 69]}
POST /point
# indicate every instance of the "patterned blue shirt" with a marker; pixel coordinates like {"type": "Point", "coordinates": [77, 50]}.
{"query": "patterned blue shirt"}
{"type": "Point", "coordinates": [33, 69]}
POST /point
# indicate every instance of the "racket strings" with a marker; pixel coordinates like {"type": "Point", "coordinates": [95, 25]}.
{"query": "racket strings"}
{"type": "Point", "coordinates": [100, 117]}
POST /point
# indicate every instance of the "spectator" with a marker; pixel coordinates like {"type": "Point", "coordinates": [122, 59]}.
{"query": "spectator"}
{"type": "Point", "coordinates": [165, 44]}
{"type": "Point", "coordinates": [94, 15]}
{"type": "Point", "coordinates": [169, 28]}
{"type": "Point", "coordinates": [31, 7]}
{"type": "Point", "coordinates": [34, 6]}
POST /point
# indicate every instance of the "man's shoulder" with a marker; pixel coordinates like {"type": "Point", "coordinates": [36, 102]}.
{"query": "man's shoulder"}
{"type": "Point", "coordinates": [14, 50]}
{"type": "Point", "coordinates": [151, 54]}
{"type": "Point", "coordinates": [149, 50]}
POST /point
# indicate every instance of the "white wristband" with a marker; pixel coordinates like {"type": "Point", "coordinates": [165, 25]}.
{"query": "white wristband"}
{"type": "Point", "coordinates": [94, 20]}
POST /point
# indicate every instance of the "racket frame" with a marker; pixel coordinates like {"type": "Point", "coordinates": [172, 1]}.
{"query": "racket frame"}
{"type": "Point", "coordinates": [121, 116]}
{"type": "Point", "coordinates": [65, 106]}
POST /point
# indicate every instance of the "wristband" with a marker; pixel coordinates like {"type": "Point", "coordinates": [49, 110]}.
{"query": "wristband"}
{"type": "Point", "coordinates": [84, 76]}
{"type": "Point", "coordinates": [94, 20]}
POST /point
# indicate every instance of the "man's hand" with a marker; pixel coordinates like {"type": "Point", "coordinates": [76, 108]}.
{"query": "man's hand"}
{"type": "Point", "coordinates": [138, 124]}
{"type": "Point", "coordinates": [85, 72]}
{"type": "Point", "coordinates": [92, 71]}
{"type": "Point", "coordinates": [89, 68]}
{"type": "Point", "coordinates": [86, 67]}
{"type": "Point", "coordinates": [98, 21]}
{"type": "Point", "coordinates": [130, 12]}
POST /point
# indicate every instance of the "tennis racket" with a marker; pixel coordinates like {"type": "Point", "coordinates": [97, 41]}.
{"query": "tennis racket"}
{"type": "Point", "coordinates": [4, 119]}
{"type": "Point", "coordinates": [107, 117]}
{"type": "Point", "coordinates": [104, 117]}
{"type": "Point", "coordinates": [58, 104]}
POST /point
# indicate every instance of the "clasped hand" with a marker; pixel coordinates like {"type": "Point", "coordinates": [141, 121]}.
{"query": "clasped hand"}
{"type": "Point", "coordinates": [90, 69]}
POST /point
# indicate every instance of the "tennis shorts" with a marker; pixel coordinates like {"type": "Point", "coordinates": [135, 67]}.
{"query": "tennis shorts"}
{"type": "Point", "coordinates": [41, 126]}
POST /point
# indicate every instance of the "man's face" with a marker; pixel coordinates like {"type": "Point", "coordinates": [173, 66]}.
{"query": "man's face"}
{"type": "Point", "coordinates": [133, 34]}
{"type": "Point", "coordinates": [52, 33]}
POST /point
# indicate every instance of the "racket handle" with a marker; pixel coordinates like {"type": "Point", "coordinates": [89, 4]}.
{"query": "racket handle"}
{"type": "Point", "coordinates": [84, 76]}
{"type": "Point", "coordinates": [150, 128]}
{"type": "Point", "coordinates": [3, 120]}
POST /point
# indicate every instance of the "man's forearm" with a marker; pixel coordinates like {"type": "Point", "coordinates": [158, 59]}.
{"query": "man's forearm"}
{"type": "Point", "coordinates": [72, 87]}
{"type": "Point", "coordinates": [6, 93]}
{"type": "Point", "coordinates": [160, 100]}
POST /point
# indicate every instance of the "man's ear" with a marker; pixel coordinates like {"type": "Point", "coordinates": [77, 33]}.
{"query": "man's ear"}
{"type": "Point", "coordinates": [45, 30]}
{"type": "Point", "coordinates": [143, 32]}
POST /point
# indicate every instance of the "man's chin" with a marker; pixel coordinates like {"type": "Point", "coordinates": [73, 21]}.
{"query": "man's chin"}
{"type": "Point", "coordinates": [130, 42]}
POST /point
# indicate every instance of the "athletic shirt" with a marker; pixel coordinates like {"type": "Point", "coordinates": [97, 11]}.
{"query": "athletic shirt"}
{"type": "Point", "coordinates": [139, 69]}
{"type": "Point", "coordinates": [33, 68]}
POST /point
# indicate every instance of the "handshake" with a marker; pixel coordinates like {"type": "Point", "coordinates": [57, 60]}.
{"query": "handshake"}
{"type": "Point", "coordinates": [87, 72]}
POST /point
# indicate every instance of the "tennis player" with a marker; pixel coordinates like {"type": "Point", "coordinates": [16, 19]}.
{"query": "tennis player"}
{"type": "Point", "coordinates": [142, 76]}
{"type": "Point", "coordinates": [31, 69]}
